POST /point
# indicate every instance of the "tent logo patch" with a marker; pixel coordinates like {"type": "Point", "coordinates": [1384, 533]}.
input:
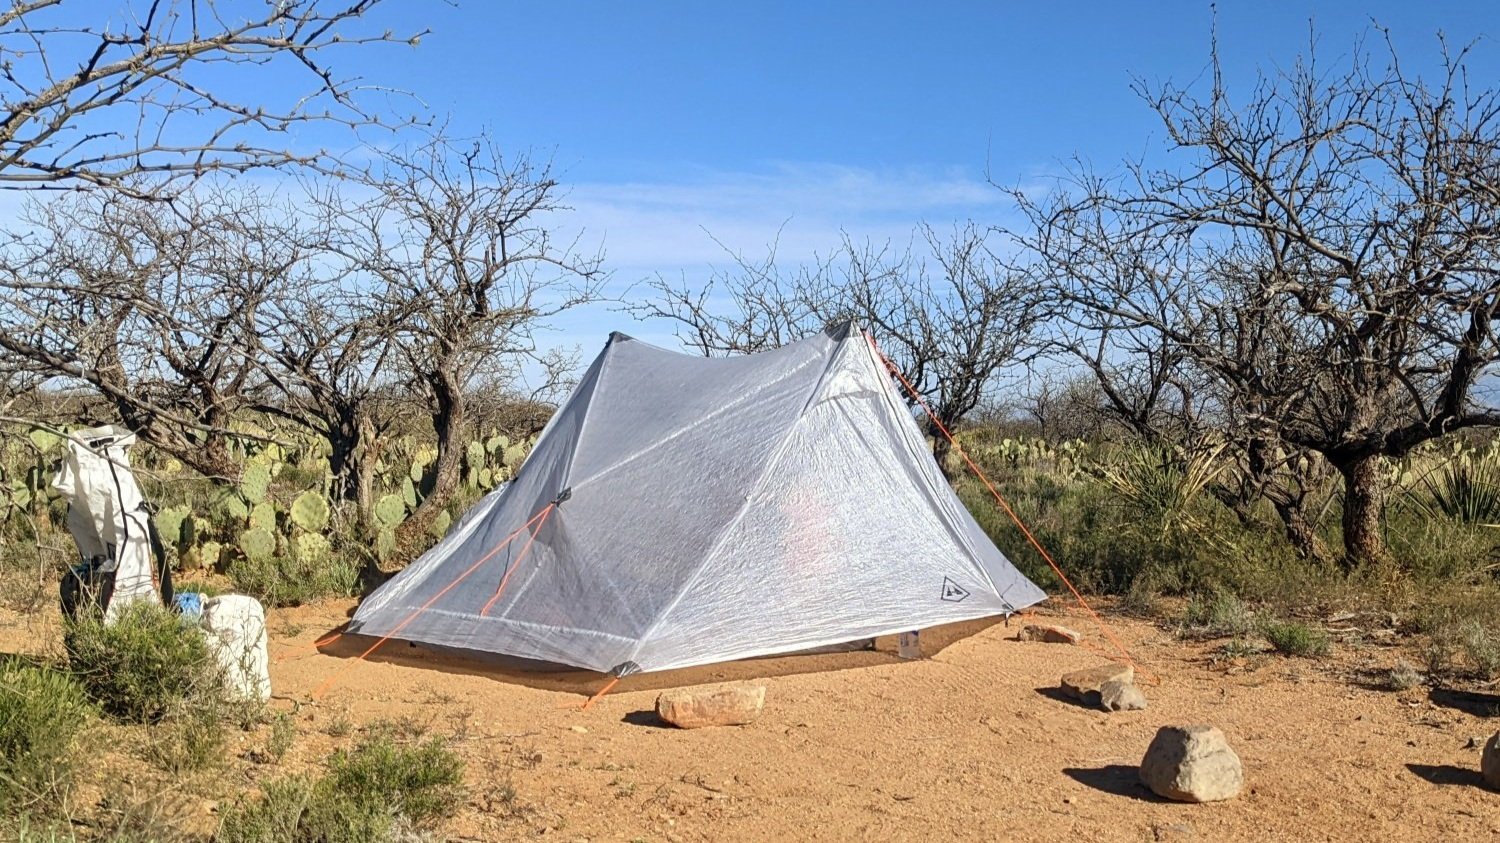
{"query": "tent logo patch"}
{"type": "Point", "coordinates": [953, 592]}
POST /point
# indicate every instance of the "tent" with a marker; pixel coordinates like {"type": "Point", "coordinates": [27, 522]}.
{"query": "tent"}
{"type": "Point", "coordinates": [680, 510]}
{"type": "Point", "coordinates": [110, 524]}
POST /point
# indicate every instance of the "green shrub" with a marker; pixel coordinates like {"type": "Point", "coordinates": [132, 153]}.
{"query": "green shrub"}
{"type": "Point", "coordinates": [41, 714]}
{"type": "Point", "coordinates": [1296, 639]}
{"type": "Point", "coordinates": [1217, 613]}
{"type": "Point", "coordinates": [368, 794]}
{"type": "Point", "coordinates": [189, 739]}
{"type": "Point", "coordinates": [144, 664]}
{"type": "Point", "coordinates": [301, 810]}
{"type": "Point", "coordinates": [423, 780]}
{"type": "Point", "coordinates": [286, 581]}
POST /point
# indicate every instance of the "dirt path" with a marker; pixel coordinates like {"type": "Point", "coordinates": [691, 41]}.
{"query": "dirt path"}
{"type": "Point", "coordinates": [967, 744]}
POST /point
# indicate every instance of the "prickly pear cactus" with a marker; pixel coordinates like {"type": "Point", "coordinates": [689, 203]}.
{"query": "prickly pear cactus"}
{"type": "Point", "coordinates": [385, 544]}
{"type": "Point", "coordinates": [312, 548]}
{"type": "Point", "coordinates": [310, 512]}
{"type": "Point", "coordinates": [208, 554]}
{"type": "Point", "coordinates": [263, 516]}
{"type": "Point", "coordinates": [390, 510]}
{"type": "Point", "coordinates": [257, 543]}
{"type": "Point", "coordinates": [173, 523]}
{"type": "Point", "coordinates": [44, 440]}
{"type": "Point", "coordinates": [255, 481]}
{"type": "Point", "coordinates": [440, 524]}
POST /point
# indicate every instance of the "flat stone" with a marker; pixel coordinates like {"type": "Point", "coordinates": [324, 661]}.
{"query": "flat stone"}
{"type": "Point", "coordinates": [1192, 764]}
{"type": "Point", "coordinates": [1084, 685]}
{"type": "Point", "coordinates": [1489, 762]}
{"type": "Point", "coordinates": [1048, 634]}
{"type": "Point", "coordinates": [1116, 695]}
{"type": "Point", "coordinates": [723, 705]}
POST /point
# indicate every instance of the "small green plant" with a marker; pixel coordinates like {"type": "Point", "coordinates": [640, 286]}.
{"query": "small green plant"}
{"type": "Point", "coordinates": [42, 713]}
{"type": "Point", "coordinates": [423, 779]}
{"type": "Point", "coordinates": [1468, 489]}
{"type": "Point", "coordinates": [1296, 639]}
{"type": "Point", "coordinates": [1217, 613]}
{"type": "Point", "coordinates": [188, 740]}
{"type": "Point", "coordinates": [1403, 676]}
{"type": "Point", "coordinates": [142, 665]}
{"type": "Point", "coordinates": [369, 794]}
{"type": "Point", "coordinates": [283, 735]}
{"type": "Point", "coordinates": [303, 810]}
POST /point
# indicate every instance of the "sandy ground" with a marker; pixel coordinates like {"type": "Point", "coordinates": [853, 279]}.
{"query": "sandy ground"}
{"type": "Point", "coordinates": [971, 743]}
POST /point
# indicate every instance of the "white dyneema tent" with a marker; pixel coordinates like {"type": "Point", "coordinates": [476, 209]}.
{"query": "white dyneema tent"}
{"type": "Point", "coordinates": [109, 520]}
{"type": "Point", "coordinates": [680, 510]}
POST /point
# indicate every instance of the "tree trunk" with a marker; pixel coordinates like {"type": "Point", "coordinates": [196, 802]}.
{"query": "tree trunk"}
{"type": "Point", "coordinates": [1302, 535]}
{"type": "Point", "coordinates": [1364, 509]}
{"type": "Point", "coordinates": [354, 453]}
{"type": "Point", "coordinates": [941, 447]}
{"type": "Point", "coordinates": [449, 414]}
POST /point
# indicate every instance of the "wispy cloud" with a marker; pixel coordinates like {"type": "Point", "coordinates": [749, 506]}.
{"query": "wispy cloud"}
{"type": "Point", "coordinates": [686, 222]}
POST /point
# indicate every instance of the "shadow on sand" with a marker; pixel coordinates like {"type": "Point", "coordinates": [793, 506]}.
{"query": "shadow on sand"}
{"type": "Point", "coordinates": [549, 677]}
{"type": "Point", "coordinates": [1057, 694]}
{"type": "Point", "coordinates": [1447, 774]}
{"type": "Point", "coordinates": [1116, 779]}
{"type": "Point", "coordinates": [1469, 702]}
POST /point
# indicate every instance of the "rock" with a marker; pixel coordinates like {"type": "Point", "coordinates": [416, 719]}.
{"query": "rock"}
{"type": "Point", "coordinates": [1192, 764]}
{"type": "Point", "coordinates": [724, 705]}
{"type": "Point", "coordinates": [1489, 762]}
{"type": "Point", "coordinates": [1115, 695]}
{"type": "Point", "coordinates": [1084, 685]}
{"type": "Point", "coordinates": [1048, 634]}
{"type": "Point", "coordinates": [582, 730]}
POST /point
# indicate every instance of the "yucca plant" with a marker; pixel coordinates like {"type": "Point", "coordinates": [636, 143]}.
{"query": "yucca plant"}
{"type": "Point", "coordinates": [1160, 484]}
{"type": "Point", "coordinates": [1467, 489]}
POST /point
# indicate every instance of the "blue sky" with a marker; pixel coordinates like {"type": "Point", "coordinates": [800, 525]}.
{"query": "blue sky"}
{"type": "Point", "coordinates": [672, 121]}
{"type": "Point", "coordinates": [677, 123]}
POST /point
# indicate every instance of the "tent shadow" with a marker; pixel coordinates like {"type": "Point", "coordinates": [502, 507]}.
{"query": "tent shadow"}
{"type": "Point", "coordinates": [1442, 774]}
{"type": "Point", "coordinates": [546, 677]}
{"type": "Point", "coordinates": [1115, 779]}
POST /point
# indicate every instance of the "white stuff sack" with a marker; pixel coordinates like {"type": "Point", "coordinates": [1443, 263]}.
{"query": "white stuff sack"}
{"type": "Point", "coordinates": [106, 513]}
{"type": "Point", "coordinates": [235, 627]}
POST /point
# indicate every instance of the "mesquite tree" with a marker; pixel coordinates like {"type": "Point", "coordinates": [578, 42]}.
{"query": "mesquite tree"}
{"type": "Point", "coordinates": [1322, 257]}
{"type": "Point", "coordinates": [455, 244]}
{"type": "Point", "coordinates": [141, 103]}
{"type": "Point", "coordinates": [950, 320]}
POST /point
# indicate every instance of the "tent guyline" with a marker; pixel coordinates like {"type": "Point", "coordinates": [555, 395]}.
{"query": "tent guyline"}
{"type": "Point", "coordinates": [1005, 506]}
{"type": "Point", "coordinates": [538, 518]}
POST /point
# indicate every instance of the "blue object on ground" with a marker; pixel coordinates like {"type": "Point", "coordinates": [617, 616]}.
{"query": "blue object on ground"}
{"type": "Point", "coordinates": [189, 603]}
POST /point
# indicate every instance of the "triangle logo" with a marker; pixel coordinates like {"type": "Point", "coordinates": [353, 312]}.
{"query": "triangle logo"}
{"type": "Point", "coordinates": [953, 592]}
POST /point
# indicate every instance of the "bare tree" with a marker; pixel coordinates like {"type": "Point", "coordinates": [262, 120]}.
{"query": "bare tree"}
{"type": "Point", "coordinates": [950, 322]}
{"type": "Point", "coordinates": [1325, 261]}
{"type": "Point", "coordinates": [153, 306]}
{"type": "Point", "coordinates": [456, 246]}
{"type": "Point", "coordinates": [165, 88]}
{"type": "Point", "coordinates": [325, 345]}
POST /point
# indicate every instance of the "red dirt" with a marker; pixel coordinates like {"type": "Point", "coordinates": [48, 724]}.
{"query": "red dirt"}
{"type": "Point", "coordinates": [971, 743]}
